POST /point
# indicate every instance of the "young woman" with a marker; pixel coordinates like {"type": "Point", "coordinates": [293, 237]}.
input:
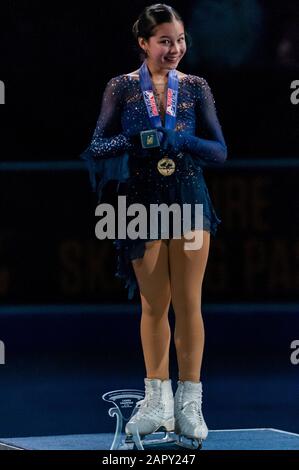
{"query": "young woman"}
{"type": "Point", "coordinates": [162, 165]}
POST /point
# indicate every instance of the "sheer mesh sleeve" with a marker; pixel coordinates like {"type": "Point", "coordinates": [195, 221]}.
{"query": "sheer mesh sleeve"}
{"type": "Point", "coordinates": [106, 156]}
{"type": "Point", "coordinates": [107, 140]}
{"type": "Point", "coordinates": [213, 148]}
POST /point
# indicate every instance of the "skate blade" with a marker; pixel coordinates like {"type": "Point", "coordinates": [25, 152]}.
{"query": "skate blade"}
{"type": "Point", "coordinates": [189, 442]}
{"type": "Point", "coordinates": [149, 440]}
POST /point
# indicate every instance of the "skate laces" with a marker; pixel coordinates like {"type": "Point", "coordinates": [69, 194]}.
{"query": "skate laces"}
{"type": "Point", "coordinates": [192, 407]}
{"type": "Point", "coordinates": [192, 410]}
{"type": "Point", "coordinates": [150, 400]}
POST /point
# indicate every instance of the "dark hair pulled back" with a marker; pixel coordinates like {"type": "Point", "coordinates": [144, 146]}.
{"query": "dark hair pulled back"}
{"type": "Point", "coordinates": [151, 17]}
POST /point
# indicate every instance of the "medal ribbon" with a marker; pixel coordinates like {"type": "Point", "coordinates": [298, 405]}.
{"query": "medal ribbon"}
{"type": "Point", "coordinates": [150, 102]}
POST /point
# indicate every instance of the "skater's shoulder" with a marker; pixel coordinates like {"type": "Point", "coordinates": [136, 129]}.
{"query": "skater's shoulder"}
{"type": "Point", "coordinates": [132, 75]}
{"type": "Point", "coordinates": [135, 75]}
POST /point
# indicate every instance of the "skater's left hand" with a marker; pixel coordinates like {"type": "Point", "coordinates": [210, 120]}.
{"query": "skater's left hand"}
{"type": "Point", "coordinates": [172, 140]}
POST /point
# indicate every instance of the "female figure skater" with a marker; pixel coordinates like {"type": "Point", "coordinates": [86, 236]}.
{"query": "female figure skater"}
{"type": "Point", "coordinates": [164, 166]}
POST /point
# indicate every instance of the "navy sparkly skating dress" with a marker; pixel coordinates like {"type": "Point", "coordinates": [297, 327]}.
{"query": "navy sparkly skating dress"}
{"type": "Point", "coordinates": [111, 156]}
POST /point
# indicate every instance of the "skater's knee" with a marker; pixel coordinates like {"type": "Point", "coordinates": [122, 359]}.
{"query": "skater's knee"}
{"type": "Point", "coordinates": [156, 303]}
{"type": "Point", "coordinates": [155, 309]}
{"type": "Point", "coordinates": [187, 305]}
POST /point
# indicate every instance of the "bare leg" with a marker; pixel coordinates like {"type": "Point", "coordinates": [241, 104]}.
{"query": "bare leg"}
{"type": "Point", "coordinates": [187, 269]}
{"type": "Point", "coordinates": [152, 274]}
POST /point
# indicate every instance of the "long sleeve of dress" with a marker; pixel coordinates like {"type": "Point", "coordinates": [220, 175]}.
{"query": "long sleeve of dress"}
{"type": "Point", "coordinates": [107, 140]}
{"type": "Point", "coordinates": [106, 156]}
{"type": "Point", "coordinates": [213, 148]}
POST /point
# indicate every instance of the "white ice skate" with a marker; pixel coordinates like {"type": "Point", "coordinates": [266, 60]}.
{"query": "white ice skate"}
{"type": "Point", "coordinates": [155, 412]}
{"type": "Point", "coordinates": [190, 425]}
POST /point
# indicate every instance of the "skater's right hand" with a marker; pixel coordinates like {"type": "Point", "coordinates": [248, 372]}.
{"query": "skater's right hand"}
{"type": "Point", "coordinates": [136, 146]}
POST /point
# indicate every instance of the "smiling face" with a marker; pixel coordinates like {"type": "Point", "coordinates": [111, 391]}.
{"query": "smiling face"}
{"type": "Point", "coordinates": [166, 47]}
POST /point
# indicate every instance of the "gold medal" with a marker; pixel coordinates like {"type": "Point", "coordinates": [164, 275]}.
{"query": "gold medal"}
{"type": "Point", "coordinates": [166, 166]}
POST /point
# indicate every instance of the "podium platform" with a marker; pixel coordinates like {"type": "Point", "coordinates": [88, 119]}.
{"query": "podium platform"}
{"type": "Point", "coordinates": [225, 439]}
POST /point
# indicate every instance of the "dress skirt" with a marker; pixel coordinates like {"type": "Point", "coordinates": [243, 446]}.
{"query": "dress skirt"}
{"type": "Point", "coordinates": [147, 186]}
